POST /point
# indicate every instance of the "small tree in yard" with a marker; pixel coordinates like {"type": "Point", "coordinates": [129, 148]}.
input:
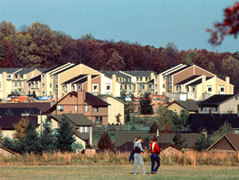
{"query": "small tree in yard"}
{"type": "Point", "coordinates": [31, 143]}
{"type": "Point", "coordinates": [145, 105]}
{"type": "Point", "coordinates": [202, 143]}
{"type": "Point", "coordinates": [105, 142]}
{"type": "Point", "coordinates": [178, 139]}
{"type": "Point", "coordinates": [47, 138]}
{"type": "Point", "coordinates": [64, 136]}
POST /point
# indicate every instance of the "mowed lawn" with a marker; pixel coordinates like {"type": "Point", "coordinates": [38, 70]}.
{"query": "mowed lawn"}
{"type": "Point", "coordinates": [117, 173]}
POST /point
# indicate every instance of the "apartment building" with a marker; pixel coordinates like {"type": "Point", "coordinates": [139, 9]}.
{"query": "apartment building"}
{"type": "Point", "coordinates": [6, 75]}
{"type": "Point", "coordinates": [85, 103]}
{"type": "Point", "coordinates": [60, 80]}
{"type": "Point", "coordinates": [184, 82]}
{"type": "Point", "coordinates": [133, 82]}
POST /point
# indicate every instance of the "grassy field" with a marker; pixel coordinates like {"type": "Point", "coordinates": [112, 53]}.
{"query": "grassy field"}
{"type": "Point", "coordinates": [117, 173]}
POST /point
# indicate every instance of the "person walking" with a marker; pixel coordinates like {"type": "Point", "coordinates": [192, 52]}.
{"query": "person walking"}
{"type": "Point", "coordinates": [138, 150]}
{"type": "Point", "coordinates": [155, 151]}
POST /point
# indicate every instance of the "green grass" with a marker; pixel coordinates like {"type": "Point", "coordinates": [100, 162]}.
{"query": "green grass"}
{"type": "Point", "coordinates": [117, 173]}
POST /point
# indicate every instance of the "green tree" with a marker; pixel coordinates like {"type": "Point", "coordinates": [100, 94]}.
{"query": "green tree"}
{"type": "Point", "coordinates": [202, 143]}
{"type": "Point", "coordinates": [64, 136]}
{"type": "Point", "coordinates": [105, 142]}
{"type": "Point", "coordinates": [31, 142]}
{"type": "Point", "coordinates": [145, 105]}
{"type": "Point", "coordinates": [224, 129]}
{"type": "Point", "coordinates": [47, 138]}
{"type": "Point", "coordinates": [6, 29]}
{"type": "Point", "coordinates": [9, 144]}
{"type": "Point", "coordinates": [20, 128]}
{"type": "Point", "coordinates": [178, 139]}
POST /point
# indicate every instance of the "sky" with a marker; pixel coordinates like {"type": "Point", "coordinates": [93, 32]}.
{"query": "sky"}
{"type": "Point", "coordinates": [148, 22]}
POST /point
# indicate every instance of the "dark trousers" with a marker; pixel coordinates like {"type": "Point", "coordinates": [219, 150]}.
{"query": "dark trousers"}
{"type": "Point", "coordinates": [155, 158]}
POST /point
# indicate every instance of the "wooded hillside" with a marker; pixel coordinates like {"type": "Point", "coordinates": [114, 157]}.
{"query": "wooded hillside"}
{"type": "Point", "coordinates": [39, 46]}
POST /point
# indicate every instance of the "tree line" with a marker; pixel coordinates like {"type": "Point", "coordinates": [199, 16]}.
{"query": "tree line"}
{"type": "Point", "coordinates": [27, 139]}
{"type": "Point", "coordinates": [39, 46]}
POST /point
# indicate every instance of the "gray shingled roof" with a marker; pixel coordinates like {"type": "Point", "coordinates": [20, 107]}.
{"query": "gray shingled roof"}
{"type": "Point", "coordinates": [139, 73]}
{"type": "Point", "coordinates": [25, 71]}
{"type": "Point", "coordinates": [8, 70]}
{"type": "Point", "coordinates": [188, 105]}
{"type": "Point", "coordinates": [117, 73]}
{"type": "Point", "coordinates": [76, 119]}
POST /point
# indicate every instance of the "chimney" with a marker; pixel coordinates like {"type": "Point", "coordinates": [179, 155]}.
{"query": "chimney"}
{"type": "Point", "coordinates": [80, 97]}
{"type": "Point", "coordinates": [113, 85]}
{"type": "Point", "coordinates": [152, 76]}
{"type": "Point", "coordinates": [227, 85]}
{"type": "Point", "coordinates": [89, 83]}
{"type": "Point", "coordinates": [203, 83]}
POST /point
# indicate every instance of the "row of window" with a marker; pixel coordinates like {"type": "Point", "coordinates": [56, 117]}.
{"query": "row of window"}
{"type": "Point", "coordinates": [60, 108]}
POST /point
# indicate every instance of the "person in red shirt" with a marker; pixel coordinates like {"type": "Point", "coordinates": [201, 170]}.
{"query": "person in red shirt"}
{"type": "Point", "coordinates": [155, 151]}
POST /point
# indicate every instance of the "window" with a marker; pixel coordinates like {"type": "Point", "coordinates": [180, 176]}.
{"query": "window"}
{"type": "Point", "coordinates": [209, 89]}
{"type": "Point", "coordinates": [76, 108]}
{"type": "Point", "coordinates": [187, 89]}
{"type": "Point", "coordinates": [141, 78]}
{"type": "Point", "coordinates": [163, 85]}
{"type": "Point", "coordinates": [193, 89]}
{"type": "Point", "coordinates": [222, 90]}
{"type": "Point", "coordinates": [50, 85]}
{"type": "Point", "coordinates": [96, 109]}
{"type": "Point", "coordinates": [170, 79]}
{"type": "Point", "coordinates": [43, 93]}
{"type": "Point", "coordinates": [141, 86]}
{"type": "Point", "coordinates": [43, 85]}
{"type": "Point", "coordinates": [108, 87]}
{"type": "Point", "coordinates": [15, 76]}
{"type": "Point", "coordinates": [21, 76]}
{"type": "Point", "coordinates": [86, 108]}
{"type": "Point", "coordinates": [9, 76]}
{"type": "Point", "coordinates": [170, 87]}
{"type": "Point", "coordinates": [95, 88]}
{"type": "Point", "coordinates": [96, 120]}
{"type": "Point", "coordinates": [101, 120]}
{"type": "Point", "coordinates": [60, 108]}
{"type": "Point", "coordinates": [178, 88]}
{"type": "Point", "coordinates": [0, 86]}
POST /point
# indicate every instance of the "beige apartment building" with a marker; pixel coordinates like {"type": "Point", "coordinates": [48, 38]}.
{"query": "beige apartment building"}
{"type": "Point", "coordinates": [15, 80]}
{"type": "Point", "coordinates": [184, 82]}
{"type": "Point", "coordinates": [133, 82]}
{"type": "Point", "coordinates": [59, 81]}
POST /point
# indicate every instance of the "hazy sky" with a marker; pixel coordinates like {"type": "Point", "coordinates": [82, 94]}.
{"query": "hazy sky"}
{"type": "Point", "coordinates": [149, 22]}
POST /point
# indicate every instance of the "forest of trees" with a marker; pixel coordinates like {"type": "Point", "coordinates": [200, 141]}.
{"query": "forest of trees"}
{"type": "Point", "coordinates": [39, 46]}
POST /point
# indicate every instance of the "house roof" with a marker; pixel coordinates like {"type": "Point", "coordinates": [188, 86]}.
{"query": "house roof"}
{"type": "Point", "coordinates": [123, 137]}
{"type": "Point", "coordinates": [94, 100]}
{"type": "Point", "coordinates": [188, 105]}
{"type": "Point", "coordinates": [76, 119]}
{"type": "Point", "coordinates": [89, 99]}
{"type": "Point", "coordinates": [36, 78]}
{"type": "Point", "coordinates": [104, 96]}
{"type": "Point", "coordinates": [8, 150]}
{"type": "Point", "coordinates": [63, 70]}
{"type": "Point", "coordinates": [59, 67]}
{"type": "Point", "coordinates": [188, 79]}
{"type": "Point", "coordinates": [216, 99]}
{"type": "Point", "coordinates": [84, 79]}
{"type": "Point", "coordinates": [84, 136]}
{"type": "Point", "coordinates": [8, 70]}
{"type": "Point", "coordinates": [74, 79]}
{"type": "Point", "coordinates": [7, 122]}
{"type": "Point", "coordinates": [41, 106]}
{"type": "Point", "coordinates": [211, 122]}
{"type": "Point", "coordinates": [18, 111]}
{"type": "Point", "coordinates": [232, 140]}
{"type": "Point", "coordinates": [199, 81]}
{"type": "Point", "coordinates": [139, 73]}
{"type": "Point", "coordinates": [117, 73]}
{"type": "Point", "coordinates": [25, 71]}
{"type": "Point", "coordinates": [174, 72]}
